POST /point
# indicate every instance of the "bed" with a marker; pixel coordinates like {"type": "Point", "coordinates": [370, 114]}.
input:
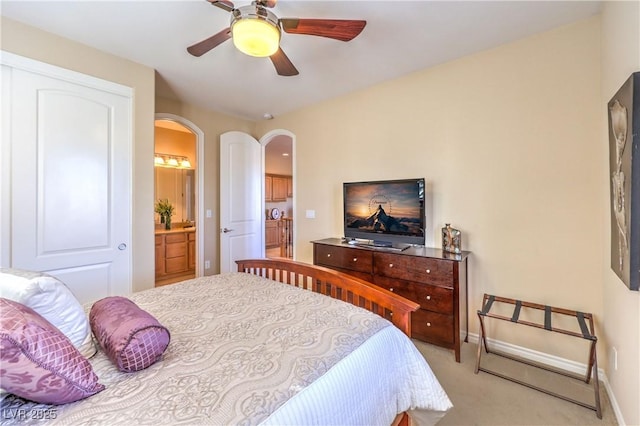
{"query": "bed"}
{"type": "Point", "coordinates": [265, 345]}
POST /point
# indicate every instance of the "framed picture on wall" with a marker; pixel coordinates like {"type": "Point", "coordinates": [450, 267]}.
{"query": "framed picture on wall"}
{"type": "Point", "coordinates": [624, 166]}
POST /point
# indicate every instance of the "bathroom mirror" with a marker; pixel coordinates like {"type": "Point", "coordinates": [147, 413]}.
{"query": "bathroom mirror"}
{"type": "Point", "coordinates": [178, 186]}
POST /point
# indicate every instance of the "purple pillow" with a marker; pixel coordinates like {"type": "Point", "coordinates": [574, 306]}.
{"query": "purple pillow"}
{"type": "Point", "coordinates": [38, 362]}
{"type": "Point", "coordinates": [132, 338]}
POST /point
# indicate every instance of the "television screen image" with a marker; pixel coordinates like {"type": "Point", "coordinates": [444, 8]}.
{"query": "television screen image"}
{"type": "Point", "coordinates": [386, 211]}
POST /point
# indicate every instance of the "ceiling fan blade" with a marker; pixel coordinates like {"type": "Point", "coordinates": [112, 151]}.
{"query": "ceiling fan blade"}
{"type": "Point", "coordinates": [283, 65]}
{"type": "Point", "coordinates": [339, 29]}
{"type": "Point", "coordinates": [206, 45]}
{"type": "Point", "coordinates": [267, 3]}
{"type": "Point", "coordinates": [223, 4]}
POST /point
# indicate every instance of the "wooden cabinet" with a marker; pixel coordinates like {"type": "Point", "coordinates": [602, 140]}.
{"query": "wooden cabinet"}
{"type": "Point", "coordinates": [191, 247]}
{"type": "Point", "coordinates": [159, 255]}
{"type": "Point", "coordinates": [279, 192]}
{"type": "Point", "coordinates": [276, 188]}
{"type": "Point", "coordinates": [175, 254]}
{"type": "Point", "coordinates": [272, 233]}
{"type": "Point", "coordinates": [435, 279]}
{"type": "Point", "coordinates": [290, 186]}
{"type": "Point", "coordinates": [268, 188]}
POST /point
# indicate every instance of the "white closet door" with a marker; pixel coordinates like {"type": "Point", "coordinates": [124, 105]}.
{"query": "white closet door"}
{"type": "Point", "coordinates": [71, 180]}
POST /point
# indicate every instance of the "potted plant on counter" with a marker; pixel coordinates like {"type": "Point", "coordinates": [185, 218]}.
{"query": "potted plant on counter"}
{"type": "Point", "coordinates": [165, 209]}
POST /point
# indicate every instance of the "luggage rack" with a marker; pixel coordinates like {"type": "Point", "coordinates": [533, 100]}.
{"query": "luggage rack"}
{"type": "Point", "coordinates": [587, 333]}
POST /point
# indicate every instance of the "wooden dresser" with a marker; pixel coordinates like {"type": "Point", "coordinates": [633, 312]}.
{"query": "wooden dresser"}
{"type": "Point", "coordinates": [435, 279]}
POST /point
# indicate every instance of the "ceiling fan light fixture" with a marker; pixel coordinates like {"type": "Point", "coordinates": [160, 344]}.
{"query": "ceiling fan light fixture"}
{"type": "Point", "coordinates": [255, 32]}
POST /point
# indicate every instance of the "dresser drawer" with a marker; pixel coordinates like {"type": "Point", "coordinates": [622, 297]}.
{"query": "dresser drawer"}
{"type": "Point", "coordinates": [343, 258]}
{"type": "Point", "coordinates": [432, 298]}
{"type": "Point", "coordinates": [179, 237]}
{"type": "Point", "coordinates": [435, 298]}
{"type": "Point", "coordinates": [358, 274]}
{"type": "Point", "coordinates": [412, 268]}
{"type": "Point", "coordinates": [432, 327]}
{"type": "Point", "coordinates": [158, 240]}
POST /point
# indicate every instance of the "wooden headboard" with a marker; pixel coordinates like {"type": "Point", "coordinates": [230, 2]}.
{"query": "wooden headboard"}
{"type": "Point", "coordinates": [335, 284]}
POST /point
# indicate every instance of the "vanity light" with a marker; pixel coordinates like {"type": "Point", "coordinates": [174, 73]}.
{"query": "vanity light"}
{"type": "Point", "coordinates": [173, 161]}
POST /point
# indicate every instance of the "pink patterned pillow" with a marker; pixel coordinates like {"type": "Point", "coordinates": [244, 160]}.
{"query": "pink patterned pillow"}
{"type": "Point", "coordinates": [38, 362]}
{"type": "Point", "coordinates": [132, 338]}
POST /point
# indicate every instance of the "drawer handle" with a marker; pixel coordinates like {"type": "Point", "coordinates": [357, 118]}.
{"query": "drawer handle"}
{"type": "Point", "coordinates": [391, 265]}
{"type": "Point", "coordinates": [428, 324]}
{"type": "Point", "coordinates": [355, 259]}
{"type": "Point", "coordinates": [428, 271]}
{"type": "Point", "coordinates": [428, 297]}
{"type": "Point", "coordinates": [328, 254]}
{"type": "Point", "coordinates": [391, 289]}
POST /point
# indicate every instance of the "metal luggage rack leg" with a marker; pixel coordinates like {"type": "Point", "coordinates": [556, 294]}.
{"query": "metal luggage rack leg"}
{"type": "Point", "coordinates": [587, 333]}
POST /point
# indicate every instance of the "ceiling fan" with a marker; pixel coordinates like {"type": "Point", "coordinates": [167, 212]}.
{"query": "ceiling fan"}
{"type": "Point", "coordinates": [256, 31]}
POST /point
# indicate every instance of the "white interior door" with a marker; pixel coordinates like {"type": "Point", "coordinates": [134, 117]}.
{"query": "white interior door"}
{"type": "Point", "coordinates": [70, 145]}
{"type": "Point", "coordinates": [240, 199]}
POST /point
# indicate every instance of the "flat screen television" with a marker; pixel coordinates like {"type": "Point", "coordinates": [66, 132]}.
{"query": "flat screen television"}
{"type": "Point", "coordinates": [387, 213]}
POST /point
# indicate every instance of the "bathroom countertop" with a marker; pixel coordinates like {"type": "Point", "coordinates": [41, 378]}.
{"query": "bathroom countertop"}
{"type": "Point", "coordinates": [175, 230]}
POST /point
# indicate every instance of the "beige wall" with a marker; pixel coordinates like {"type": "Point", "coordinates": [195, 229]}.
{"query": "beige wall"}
{"type": "Point", "coordinates": [176, 142]}
{"type": "Point", "coordinates": [42, 46]}
{"type": "Point", "coordinates": [509, 142]}
{"type": "Point", "coordinates": [620, 58]}
{"type": "Point", "coordinates": [213, 124]}
{"type": "Point", "coordinates": [277, 164]}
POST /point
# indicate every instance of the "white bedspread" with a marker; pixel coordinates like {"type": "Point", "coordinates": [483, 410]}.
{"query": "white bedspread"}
{"type": "Point", "coordinates": [245, 350]}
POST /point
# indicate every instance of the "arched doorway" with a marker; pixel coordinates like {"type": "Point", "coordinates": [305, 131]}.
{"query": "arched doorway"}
{"type": "Point", "coordinates": [242, 171]}
{"type": "Point", "coordinates": [278, 153]}
{"type": "Point", "coordinates": [179, 148]}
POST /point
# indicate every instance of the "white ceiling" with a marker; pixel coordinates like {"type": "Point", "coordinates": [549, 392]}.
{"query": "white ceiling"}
{"type": "Point", "coordinates": [400, 37]}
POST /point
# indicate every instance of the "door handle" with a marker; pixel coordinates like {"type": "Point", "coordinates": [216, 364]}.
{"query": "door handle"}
{"type": "Point", "coordinates": [225, 230]}
{"type": "Point", "coordinates": [122, 246]}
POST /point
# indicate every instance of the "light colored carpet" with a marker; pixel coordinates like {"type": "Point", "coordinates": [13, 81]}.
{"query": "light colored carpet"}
{"type": "Point", "coordinates": [484, 399]}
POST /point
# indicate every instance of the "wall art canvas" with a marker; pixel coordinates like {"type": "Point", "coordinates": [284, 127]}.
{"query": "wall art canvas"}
{"type": "Point", "coordinates": [624, 161]}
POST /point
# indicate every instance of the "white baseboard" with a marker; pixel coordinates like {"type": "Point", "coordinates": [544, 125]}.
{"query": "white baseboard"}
{"type": "Point", "coordinates": [552, 361]}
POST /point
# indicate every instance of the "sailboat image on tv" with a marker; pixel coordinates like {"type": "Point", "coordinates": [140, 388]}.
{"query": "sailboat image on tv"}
{"type": "Point", "coordinates": [385, 212]}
